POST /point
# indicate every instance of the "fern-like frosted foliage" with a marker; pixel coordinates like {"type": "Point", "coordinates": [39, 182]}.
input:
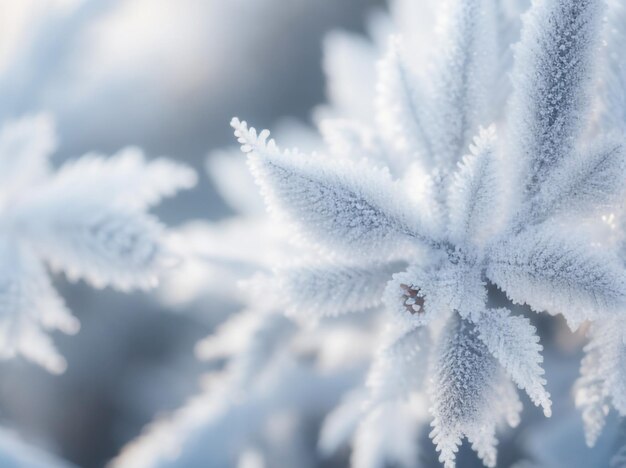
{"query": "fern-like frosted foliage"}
{"type": "Point", "coordinates": [513, 342]}
{"type": "Point", "coordinates": [602, 383]}
{"type": "Point", "coordinates": [347, 289]}
{"type": "Point", "coordinates": [552, 79]}
{"type": "Point", "coordinates": [258, 386]}
{"type": "Point", "coordinates": [474, 194]}
{"type": "Point", "coordinates": [612, 85]}
{"type": "Point", "coordinates": [331, 195]}
{"type": "Point", "coordinates": [547, 272]}
{"type": "Point", "coordinates": [468, 193]}
{"type": "Point", "coordinates": [592, 179]}
{"type": "Point", "coordinates": [469, 399]}
{"type": "Point", "coordinates": [87, 219]}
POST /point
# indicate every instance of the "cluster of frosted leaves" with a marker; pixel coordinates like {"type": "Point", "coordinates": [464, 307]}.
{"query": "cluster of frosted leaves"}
{"type": "Point", "coordinates": [267, 366]}
{"type": "Point", "coordinates": [602, 383]}
{"type": "Point", "coordinates": [87, 219]}
{"type": "Point", "coordinates": [217, 429]}
{"type": "Point", "coordinates": [274, 382]}
{"type": "Point", "coordinates": [431, 187]}
{"type": "Point", "coordinates": [270, 373]}
{"type": "Point", "coordinates": [217, 255]}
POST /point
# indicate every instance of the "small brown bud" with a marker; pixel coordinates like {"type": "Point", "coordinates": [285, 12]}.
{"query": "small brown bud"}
{"type": "Point", "coordinates": [413, 301]}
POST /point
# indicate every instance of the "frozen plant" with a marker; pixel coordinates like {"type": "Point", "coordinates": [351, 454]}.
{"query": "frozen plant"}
{"type": "Point", "coordinates": [245, 409]}
{"type": "Point", "coordinates": [88, 219]}
{"type": "Point", "coordinates": [468, 196]}
{"type": "Point", "coordinates": [602, 383]}
{"type": "Point", "coordinates": [216, 255]}
{"type": "Point", "coordinates": [232, 420]}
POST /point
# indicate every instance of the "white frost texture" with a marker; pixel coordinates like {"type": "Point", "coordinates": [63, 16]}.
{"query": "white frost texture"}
{"type": "Point", "coordinates": [87, 219]}
{"type": "Point", "coordinates": [442, 176]}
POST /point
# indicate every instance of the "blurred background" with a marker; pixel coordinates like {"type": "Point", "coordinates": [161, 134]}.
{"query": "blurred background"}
{"type": "Point", "coordinates": [165, 75]}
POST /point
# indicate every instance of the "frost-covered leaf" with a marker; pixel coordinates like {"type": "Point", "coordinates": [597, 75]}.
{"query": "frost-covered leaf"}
{"type": "Point", "coordinates": [465, 72]}
{"type": "Point", "coordinates": [398, 371]}
{"type": "Point", "coordinates": [514, 343]}
{"type": "Point", "coordinates": [124, 180]}
{"type": "Point", "coordinates": [86, 219]}
{"type": "Point", "coordinates": [354, 207]}
{"type": "Point", "coordinates": [402, 109]}
{"type": "Point", "coordinates": [553, 273]}
{"type": "Point", "coordinates": [506, 407]}
{"type": "Point", "coordinates": [603, 376]}
{"type": "Point", "coordinates": [613, 77]}
{"type": "Point", "coordinates": [591, 179]}
{"type": "Point", "coordinates": [29, 306]}
{"type": "Point", "coordinates": [494, 220]}
{"type": "Point", "coordinates": [400, 366]}
{"type": "Point", "coordinates": [464, 391]}
{"type": "Point", "coordinates": [509, 25]}
{"type": "Point", "coordinates": [328, 289]}
{"type": "Point", "coordinates": [475, 193]}
{"type": "Point", "coordinates": [434, 120]}
{"type": "Point", "coordinates": [229, 173]}
{"type": "Point", "coordinates": [213, 428]}
{"type": "Point", "coordinates": [89, 241]}
{"type": "Point", "coordinates": [551, 79]}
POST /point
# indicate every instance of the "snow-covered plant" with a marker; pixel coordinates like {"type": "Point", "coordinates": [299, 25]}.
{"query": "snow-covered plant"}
{"type": "Point", "coordinates": [87, 219]}
{"type": "Point", "coordinates": [602, 384]}
{"type": "Point", "coordinates": [463, 355]}
{"type": "Point", "coordinates": [217, 255]}
{"type": "Point", "coordinates": [245, 408]}
{"type": "Point", "coordinates": [449, 193]}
